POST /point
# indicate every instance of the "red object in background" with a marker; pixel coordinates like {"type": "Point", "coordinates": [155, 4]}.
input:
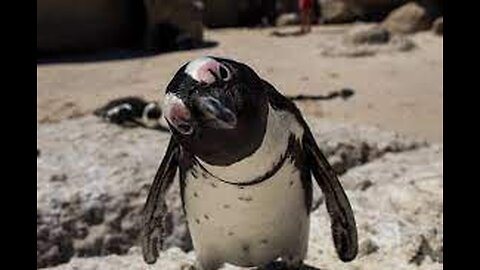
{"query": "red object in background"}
{"type": "Point", "coordinates": [305, 4]}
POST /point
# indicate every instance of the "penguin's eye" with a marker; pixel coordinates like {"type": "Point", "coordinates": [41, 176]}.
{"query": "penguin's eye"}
{"type": "Point", "coordinates": [224, 73]}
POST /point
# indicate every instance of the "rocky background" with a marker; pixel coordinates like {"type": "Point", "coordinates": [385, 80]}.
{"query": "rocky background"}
{"type": "Point", "coordinates": [93, 178]}
{"type": "Point", "coordinates": [165, 25]}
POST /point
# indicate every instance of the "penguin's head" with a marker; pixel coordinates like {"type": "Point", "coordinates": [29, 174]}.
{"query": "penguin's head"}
{"type": "Point", "coordinates": [217, 109]}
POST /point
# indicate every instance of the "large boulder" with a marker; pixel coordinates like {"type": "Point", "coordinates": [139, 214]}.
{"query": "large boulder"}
{"type": "Point", "coordinates": [336, 11]}
{"type": "Point", "coordinates": [373, 9]}
{"type": "Point", "coordinates": [366, 39]}
{"type": "Point", "coordinates": [409, 18]}
{"type": "Point", "coordinates": [86, 25]}
{"type": "Point", "coordinates": [90, 25]}
{"type": "Point", "coordinates": [287, 19]}
{"type": "Point", "coordinates": [220, 13]}
{"type": "Point", "coordinates": [438, 26]}
{"type": "Point", "coordinates": [398, 206]}
{"type": "Point", "coordinates": [173, 24]}
{"type": "Point", "coordinates": [92, 182]}
{"type": "Point", "coordinates": [343, 11]}
{"type": "Point", "coordinates": [367, 34]}
{"type": "Point", "coordinates": [93, 178]}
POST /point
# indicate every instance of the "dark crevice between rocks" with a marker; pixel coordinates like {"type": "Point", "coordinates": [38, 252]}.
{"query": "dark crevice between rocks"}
{"type": "Point", "coordinates": [106, 226]}
{"type": "Point", "coordinates": [348, 156]}
{"type": "Point", "coordinates": [426, 250]}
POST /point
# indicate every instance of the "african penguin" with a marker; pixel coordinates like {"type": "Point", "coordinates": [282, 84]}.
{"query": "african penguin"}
{"type": "Point", "coordinates": [245, 156]}
{"type": "Point", "coordinates": [131, 111]}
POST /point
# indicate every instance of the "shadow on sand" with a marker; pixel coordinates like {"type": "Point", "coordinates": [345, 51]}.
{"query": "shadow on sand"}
{"type": "Point", "coordinates": [294, 33]}
{"type": "Point", "coordinates": [110, 55]}
{"type": "Point", "coordinates": [278, 265]}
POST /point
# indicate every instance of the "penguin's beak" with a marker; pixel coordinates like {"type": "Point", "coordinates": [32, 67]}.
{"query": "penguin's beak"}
{"type": "Point", "coordinates": [214, 113]}
{"type": "Point", "coordinates": [202, 110]}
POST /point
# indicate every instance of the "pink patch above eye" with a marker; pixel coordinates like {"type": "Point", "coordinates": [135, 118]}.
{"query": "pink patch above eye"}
{"type": "Point", "coordinates": [201, 69]}
{"type": "Point", "coordinates": [204, 72]}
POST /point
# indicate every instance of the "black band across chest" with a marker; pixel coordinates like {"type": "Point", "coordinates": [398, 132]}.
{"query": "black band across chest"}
{"type": "Point", "coordinates": [275, 168]}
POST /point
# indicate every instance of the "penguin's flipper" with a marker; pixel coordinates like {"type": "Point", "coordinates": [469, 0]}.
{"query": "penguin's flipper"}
{"type": "Point", "coordinates": [155, 207]}
{"type": "Point", "coordinates": [344, 230]}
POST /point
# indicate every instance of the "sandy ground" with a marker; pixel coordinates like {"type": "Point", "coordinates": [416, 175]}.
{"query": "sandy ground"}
{"type": "Point", "coordinates": [401, 91]}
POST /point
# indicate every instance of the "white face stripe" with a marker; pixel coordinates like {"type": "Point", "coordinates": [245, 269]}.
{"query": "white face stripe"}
{"type": "Point", "coordinates": [194, 69]}
{"type": "Point", "coordinates": [168, 102]}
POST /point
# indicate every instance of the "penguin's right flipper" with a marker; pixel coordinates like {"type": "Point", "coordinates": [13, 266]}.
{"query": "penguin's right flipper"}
{"type": "Point", "coordinates": [344, 229]}
{"type": "Point", "coordinates": [155, 207]}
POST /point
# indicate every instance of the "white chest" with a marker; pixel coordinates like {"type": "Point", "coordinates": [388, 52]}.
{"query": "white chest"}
{"type": "Point", "coordinates": [253, 224]}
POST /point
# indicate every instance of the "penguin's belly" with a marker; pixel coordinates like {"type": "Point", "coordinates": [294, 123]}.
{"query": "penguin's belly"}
{"type": "Point", "coordinates": [247, 225]}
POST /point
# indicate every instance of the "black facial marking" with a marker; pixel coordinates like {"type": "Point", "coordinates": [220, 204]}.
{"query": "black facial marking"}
{"type": "Point", "coordinates": [197, 221]}
{"type": "Point", "coordinates": [264, 241]}
{"type": "Point", "coordinates": [226, 206]}
{"type": "Point", "coordinates": [206, 217]}
{"type": "Point", "coordinates": [241, 94]}
{"type": "Point", "coordinates": [289, 153]}
{"type": "Point", "coordinates": [247, 91]}
{"type": "Point", "coordinates": [195, 194]}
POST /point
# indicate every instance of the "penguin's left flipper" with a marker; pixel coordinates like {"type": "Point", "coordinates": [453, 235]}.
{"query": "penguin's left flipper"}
{"type": "Point", "coordinates": [155, 207]}
{"type": "Point", "coordinates": [344, 229]}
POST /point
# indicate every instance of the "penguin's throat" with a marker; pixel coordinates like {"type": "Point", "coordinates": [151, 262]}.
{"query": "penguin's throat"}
{"type": "Point", "coordinates": [281, 133]}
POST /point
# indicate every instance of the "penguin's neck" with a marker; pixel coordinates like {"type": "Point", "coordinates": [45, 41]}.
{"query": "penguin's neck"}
{"type": "Point", "coordinates": [280, 125]}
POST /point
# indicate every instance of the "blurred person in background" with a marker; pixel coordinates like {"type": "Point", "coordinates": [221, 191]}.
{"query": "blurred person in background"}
{"type": "Point", "coordinates": [305, 7]}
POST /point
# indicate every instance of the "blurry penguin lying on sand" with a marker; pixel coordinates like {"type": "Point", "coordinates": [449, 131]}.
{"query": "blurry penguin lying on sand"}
{"type": "Point", "coordinates": [132, 112]}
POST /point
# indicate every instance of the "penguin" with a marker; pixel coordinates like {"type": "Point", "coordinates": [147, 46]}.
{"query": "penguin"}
{"type": "Point", "coordinates": [132, 111]}
{"type": "Point", "coordinates": [245, 157]}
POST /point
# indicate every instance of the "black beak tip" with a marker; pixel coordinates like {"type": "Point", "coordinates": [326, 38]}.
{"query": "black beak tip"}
{"type": "Point", "coordinates": [215, 113]}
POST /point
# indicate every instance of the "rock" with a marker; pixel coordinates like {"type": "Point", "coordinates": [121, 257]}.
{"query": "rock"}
{"type": "Point", "coordinates": [343, 11]}
{"type": "Point", "coordinates": [172, 259]}
{"type": "Point", "coordinates": [407, 19]}
{"type": "Point", "coordinates": [347, 146]}
{"type": "Point", "coordinates": [105, 24]}
{"type": "Point", "coordinates": [59, 178]}
{"type": "Point", "coordinates": [85, 25]}
{"type": "Point", "coordinates": [395, 216]}
{"type": "Point", "coordinates": [173, 24]}
{"type": "Point", "coordinates": [219, 13]}
{"type": "Point", "coordinates": [336, 11]}
{"type": "Point", "coordinates": [367, 247]}
{"type": "Point", "coordinates": [399, 220]}
{"type": "Point", "coordinates": [373, 9]}
{"type": "Point", "coordinates": [367, 34]}
{"type": "Point", "coordinates": [54, 245]}
{"type": "Point", "coordinates": [438, 26]}
{"type": "Point", "coordinates": [97, 211]}
{"type": "Point", "coordinates": [366, 40]}
{"type": "Point", "coordinates": [402, 44]}
{"type": "Point", "coordinates": [288, 19]}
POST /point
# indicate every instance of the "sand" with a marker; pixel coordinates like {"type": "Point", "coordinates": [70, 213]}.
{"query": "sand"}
{"type": "Point", "coordinates": [399, 91]}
